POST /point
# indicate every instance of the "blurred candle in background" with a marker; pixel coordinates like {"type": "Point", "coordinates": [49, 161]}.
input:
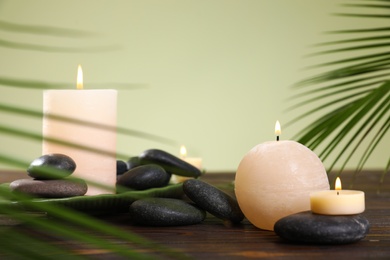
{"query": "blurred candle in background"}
{"type": "Point", "coordinates": [195, 161]}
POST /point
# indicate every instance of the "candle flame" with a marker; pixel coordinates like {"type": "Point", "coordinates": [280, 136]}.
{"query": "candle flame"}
{"type": "Point", "coordinates": [79, 77]}
{"type": "Point", "coordinates": [278, 129]}
{"type": "Point", "coordinates": [183, 151]}
{"type": "Point", "coordinates": [338, 184]}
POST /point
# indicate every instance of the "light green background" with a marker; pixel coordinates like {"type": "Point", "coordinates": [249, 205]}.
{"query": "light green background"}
{"type": "Point", "coordinates": [213, 75]}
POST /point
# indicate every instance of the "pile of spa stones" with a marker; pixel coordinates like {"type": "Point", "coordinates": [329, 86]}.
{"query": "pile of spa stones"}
{"type": "Point", "coordinates": [50, 175]}
{"type": "Point", "coordinates": [149, 171]}
{"type": "Point", "coordinates": [154, 168]}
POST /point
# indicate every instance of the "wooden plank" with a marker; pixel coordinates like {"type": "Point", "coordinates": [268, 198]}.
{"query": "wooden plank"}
{"type": "Point", "coordinates": [213, 239]}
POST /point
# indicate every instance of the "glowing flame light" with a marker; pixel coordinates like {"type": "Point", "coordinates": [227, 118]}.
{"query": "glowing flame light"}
{"type": "Point", "coordinates": [183, 151]}
{"type": "Point", "coordinates": [79, 77]}
{"type": "Point", "coordinates": [338, 184]}
{"type": "Point", "coordinates": [278, 129]}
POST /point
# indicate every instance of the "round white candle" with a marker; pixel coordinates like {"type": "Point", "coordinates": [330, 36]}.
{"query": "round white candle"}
{"type": "Point", "coordinates": [274, 179]}
{"type": "Point", "coordinates": [90, 106]}
{"type": "Point", "coordinates": [337, 202]}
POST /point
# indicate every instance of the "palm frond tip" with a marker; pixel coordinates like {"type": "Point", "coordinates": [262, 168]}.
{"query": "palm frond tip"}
{"type": "Point", "coordinates": [358, 114]}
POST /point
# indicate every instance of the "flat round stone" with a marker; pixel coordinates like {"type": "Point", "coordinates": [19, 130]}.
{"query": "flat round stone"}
{"type": "Point", "coordinates": [50, 188]}
{"type": "Point", "coordinates": [51, 166]}
{"type": "Point", "coordinates": [143, 177]}
{"type": "Point", "coordinates": [169, 162]}
{"type": "Point", "coordinates": [306, 227]}
{"type": "Point", "coordinates": [165, 212]}
{"type": "Point", "coordinates": [213, 200]}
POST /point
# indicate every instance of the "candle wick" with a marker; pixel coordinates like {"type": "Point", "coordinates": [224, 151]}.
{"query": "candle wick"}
{"type": "Point", "coordinates": [277, 138]}
{"type": "Point", "coordinates": [337, 193]}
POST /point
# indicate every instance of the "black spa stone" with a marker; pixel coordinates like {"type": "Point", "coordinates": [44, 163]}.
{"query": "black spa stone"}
{"type": "Point", "coordinates": [306, 227]}
{"type": "Point", "coordinates": [169, 162]}
{"type": "Point", "coordinates": [133, 162]}
{"type": "Point", "coordinates": [50, 188]}
{"type": "Point", "coordinates": [165, 212]}
{"type": "Point", "coordinates": [121, 167]}
{"type": "Point", "coordinates": [213, 200]}
{"type": "Point", "coordinates": [143, 177]}
{"type": "Point", "coordinates": [51, 166]}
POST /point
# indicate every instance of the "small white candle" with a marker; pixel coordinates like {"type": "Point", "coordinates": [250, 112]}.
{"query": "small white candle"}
{"type": "Point", "coordinates": [274, 179]}
{"type": "Point", "coordinates": [195, 161]}
{"type": "Point", "coordinates": [338, 201]}
{"type": "Point", "coordinates": [90, 106]}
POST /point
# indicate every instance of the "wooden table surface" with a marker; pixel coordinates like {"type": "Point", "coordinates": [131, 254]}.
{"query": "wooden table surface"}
{"type": "Point", "coordinates": [212, 239]}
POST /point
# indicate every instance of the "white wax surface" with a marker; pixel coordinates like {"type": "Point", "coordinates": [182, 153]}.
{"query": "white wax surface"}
{"type": "Point", "coordinates": [194, 161]}
{"type": "Point", "coordinates": [97, 106]}
{"type": "Point", "coordinates": [275, 179]}
{"type": "Point", "coordinates": [346, 202]}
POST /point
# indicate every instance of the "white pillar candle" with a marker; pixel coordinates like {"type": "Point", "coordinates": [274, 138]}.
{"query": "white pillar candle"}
{"type": "Point", "coordinates": [338, 201]}
{"type": "Point", "coordinates": [274, 179]}
{"type": "Point", "coordinates": [92, 107]}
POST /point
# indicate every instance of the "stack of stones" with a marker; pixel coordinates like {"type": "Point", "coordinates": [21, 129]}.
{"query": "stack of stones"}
{"type": "Point", "coordinates": [51, 179]}
{"type": "Point", "coordinates": [153, 169]}
{"type": "Point", "coordinates": [150, 170]}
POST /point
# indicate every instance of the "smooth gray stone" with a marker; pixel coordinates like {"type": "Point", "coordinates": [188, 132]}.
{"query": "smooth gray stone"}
{"type": "Point", "coordinates": [169, 162]}
{"type": "Point", "coordinates": [133, 162]}
{"type": "Point", "coordinates": [165, 212]}
{"type": "Point", "coordinates": [50, 188]}
{"type": "Point", "coordinates": [306, 227]}
{"type": "Point", "coordinates": [51, 167]}
{"type": "Point", "coordinates": [142, 178]}
{"type": "Point", "coordinates": [213, 200]}
{"type": "Point", "coordinates": [121, 167]}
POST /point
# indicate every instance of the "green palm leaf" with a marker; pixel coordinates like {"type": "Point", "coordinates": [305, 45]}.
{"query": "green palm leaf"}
{"type": "Point", "coordinates": [48, 31]}
{"type": "Point", "coordinates": [11, 109]}
{"type": "Point", "coordinates": [75, 226]}
{"type": "Point", "coordinates": [64, 223]}
{"type": "Point", "coordinates": [352, 95]}
{"type": "Point", "coordinates": [44, 30]}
